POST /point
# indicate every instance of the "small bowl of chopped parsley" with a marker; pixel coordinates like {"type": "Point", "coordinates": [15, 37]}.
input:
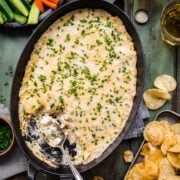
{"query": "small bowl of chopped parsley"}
{"type": "Point", "coordinates": [6, 136]}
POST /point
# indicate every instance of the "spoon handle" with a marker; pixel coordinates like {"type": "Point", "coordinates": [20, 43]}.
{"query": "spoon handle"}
{"type": "Point", "coordinates": [75, 172]}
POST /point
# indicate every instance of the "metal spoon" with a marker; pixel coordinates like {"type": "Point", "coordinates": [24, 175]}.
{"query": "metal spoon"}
{"type": "Point", "coordinates": [55, 137]}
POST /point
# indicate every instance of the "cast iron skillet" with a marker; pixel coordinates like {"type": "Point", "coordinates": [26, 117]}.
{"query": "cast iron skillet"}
{"type": "Point", "coordinates": [35, 164]}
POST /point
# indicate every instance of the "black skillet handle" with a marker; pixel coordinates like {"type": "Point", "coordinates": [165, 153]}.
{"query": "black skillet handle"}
{"type": "Point", "coordinates": [32, 171]}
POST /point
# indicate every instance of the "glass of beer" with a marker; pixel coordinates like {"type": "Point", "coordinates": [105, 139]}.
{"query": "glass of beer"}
{"type": "Point", "coordinates": [170, 23]}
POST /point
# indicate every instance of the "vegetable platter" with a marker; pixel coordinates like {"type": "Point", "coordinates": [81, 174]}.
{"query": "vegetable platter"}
{"type": "Point", "coordinates": [19, 13]}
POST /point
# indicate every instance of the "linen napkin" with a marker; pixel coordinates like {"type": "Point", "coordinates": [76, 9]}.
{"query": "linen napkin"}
{"type": "Point", "coordinates": [16, 163]}
{"type": "Point", "coordinates": [137, 125]}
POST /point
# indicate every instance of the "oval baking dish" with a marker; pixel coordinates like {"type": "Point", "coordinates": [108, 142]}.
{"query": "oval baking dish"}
{"type": "Point", "coordinates": [25, 56]}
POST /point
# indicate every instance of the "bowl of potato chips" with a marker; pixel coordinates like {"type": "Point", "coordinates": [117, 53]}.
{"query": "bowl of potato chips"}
{"type": "Point", "coordinates": [159, 155]}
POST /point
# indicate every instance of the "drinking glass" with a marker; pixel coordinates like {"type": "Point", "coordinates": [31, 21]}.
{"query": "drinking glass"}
{"type": "Point", "coordinates": [170, 23]}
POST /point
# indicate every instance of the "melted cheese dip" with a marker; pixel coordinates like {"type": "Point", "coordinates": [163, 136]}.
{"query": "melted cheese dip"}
{"type": "Point", "coordinates": [83, 66]}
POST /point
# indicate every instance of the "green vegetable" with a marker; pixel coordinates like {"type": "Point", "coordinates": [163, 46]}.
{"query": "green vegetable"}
{"type": "Point", "coordinates": [4, 7]}
{"type": "Point", "coordinates": [5, 137]}
{"type": "Point", "coordinates": [4, 17]}
{"type": "Point", "coordinates": [20, 18]}
{"type": "Point", "coordinates": [27, 4]}
{"type": "Point", "coordinates": [18, 4]}
{"type": "Point", "coordinates": [34, 14]}
{"type": "Point", "coordinates": [1, 18]}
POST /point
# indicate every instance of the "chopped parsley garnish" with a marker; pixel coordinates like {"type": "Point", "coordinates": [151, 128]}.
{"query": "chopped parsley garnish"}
{"type": "Point", "coordinates": [50, 42]}
{"type": "Point", "coordinates": [42, 78]}
{"type": "Point", "coordinates": [5, 136]}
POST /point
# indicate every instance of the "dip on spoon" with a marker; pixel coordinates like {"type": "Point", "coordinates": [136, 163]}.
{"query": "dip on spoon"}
{"type": "Point", "coordinates": [53, 134]}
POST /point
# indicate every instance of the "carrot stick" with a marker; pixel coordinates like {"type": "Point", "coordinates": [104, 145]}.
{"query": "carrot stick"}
{"type": "Point", "coordinates": [40, 5]}
{"type": "Point", "coordinates": [55, 1]}
{"type": "Point", "coordinates": [49, 4]}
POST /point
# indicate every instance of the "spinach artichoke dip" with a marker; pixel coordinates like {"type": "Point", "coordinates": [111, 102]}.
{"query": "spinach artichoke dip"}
{"type": "Point", "coordinates": [82, 74]}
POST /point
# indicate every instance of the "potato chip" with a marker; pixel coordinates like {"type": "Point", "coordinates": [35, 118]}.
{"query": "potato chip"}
{"type": "Point", "coordinates": [176, 128]}
{"type": "Point", "coordinates": [174, 159]}
{"type": "Point", "coordinates": [165, 82]}
{"type": "Point", "coordinates": [153, 133]}
{"type": "Point", "coordinates": [151, 153]}
{"type": "Point", "coordinates": [151, 169]}
{"type": "Point", "coordinates": [147, 149]}
{"type": "Point", "coordinates": [98, 178]}
{"type": "Point", "coordinates": [127, 176]}
{"type": "Point", "coordinates": [156, 156]}
{"type": "Point", "coordinates": [152, 102]}
{"type": "Point", "coordinates": [138, 173]}
{"type": "Point", "coordinates": [177, 137]}
{"type": "Point", "coordinates": [175, 148]}
{"type": "Point", "coordinates": [159, 93]}
{"type": "Point", "coordinates": [151, 147]}
{"type": "Point", "coordinates": [172, 177]}
{"type": "Point", "coordinates": [168, 141]}
{"type": "Point", "coordinates": [165, 168]}
{"type": "Point", "coordinates": [128, 156]}
{"type": "Point", "coordinates": [165, 125]}
{"type": "Point", "coordinates": [135, 172]}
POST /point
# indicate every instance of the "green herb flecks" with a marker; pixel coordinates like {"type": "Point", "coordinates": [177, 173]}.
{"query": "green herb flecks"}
{"type": "Point", "coordinates": [50, 42]}
{"type": "Point", "coordinates": [9, 71]}
{"type": "Point", "coordinates": [5, 137]}
{"type": "Point", "coordinates": [42, 78]}
{"type": "Point", "coordinates": [2, 99]}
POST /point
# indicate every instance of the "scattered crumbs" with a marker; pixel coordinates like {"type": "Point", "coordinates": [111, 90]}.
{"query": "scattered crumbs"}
{"type": "Point", "coordinates": [128, 156]}
{"type": "Point", "coordinates": [6, 83]}
{"type": "Point", "coordinates": [2, 99]}
{"type": "Point", "coordinates": [9, 71]}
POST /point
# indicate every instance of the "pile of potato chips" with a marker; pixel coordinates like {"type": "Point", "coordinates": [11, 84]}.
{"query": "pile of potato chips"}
{"type": "Point", "coordinates": [156, 97]}
{"type": "Point", "coordinates": [160, 152]}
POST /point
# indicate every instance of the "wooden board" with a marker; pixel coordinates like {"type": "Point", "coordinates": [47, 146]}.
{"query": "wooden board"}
{"type": "Point", "coordinates": [12, 42]}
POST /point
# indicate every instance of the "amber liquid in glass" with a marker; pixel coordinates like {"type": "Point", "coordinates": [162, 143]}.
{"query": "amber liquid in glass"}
{"type": "Point", "coordinates": [170, 22]}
